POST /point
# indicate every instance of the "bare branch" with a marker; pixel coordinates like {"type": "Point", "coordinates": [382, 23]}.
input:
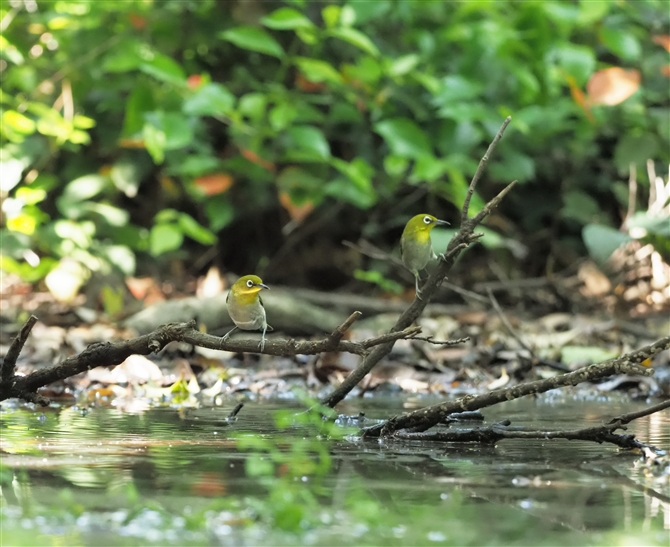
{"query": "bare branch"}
{"type": "Point", "coordinates": [425, 418]}
{"type": "Point", "coordinates": [9, 363]}
{"type": "Point", "coordinates": [481, 167]}
{"type": "Point", "coordinates": [111, 354]}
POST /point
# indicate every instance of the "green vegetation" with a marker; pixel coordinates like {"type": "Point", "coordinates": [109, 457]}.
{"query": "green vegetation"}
{"type": "Point", "coordinates": [149, 130]}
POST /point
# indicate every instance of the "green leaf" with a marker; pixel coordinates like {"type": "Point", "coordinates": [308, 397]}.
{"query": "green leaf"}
{"type": "Point", "coordinates": [253, 39]}
{"type": "Point", "coordinates": [403, 65]}
{"type": "Point", "coordinates": [316, 70]}
{"type": "Point", "coordinates": [601, 241]}
{"type": "Point", "coordinates": [175, 127]}
{"type": "Point", "coordinates": [17, 122]}
{"type": "Point", "coordinates": [286, 19]}
{"type": "Point", "coordinates": [219, 211]}
{"type": "Point", "coordinates": [355, 38]}
{"type": "Point", "coordinates": [282, 115]}
{"type": "Point", "coordinates": [635, 149]}
{"type": "Point", "coordinates": [112, 215]}
{"type": "Point", "coordinates": [358, 189]}
{"type": "Point", "coordinates": [308, 143]}
{"type": "Point", "coordinates": [85, 187]}
{"type": "Point", "coordinates": [253, 105]}
{"type": "Point", "coordinates": [580, 206]}
{"type": "Point", "coordinates": [197, 164]}
{"type": "Point", "coordinates": [621, 43]}
{"type": "Point", "coordinates": [121, 257]}
{"type": "Point", "coordinates": [164, 238]}
{"type": "Point", "coordinates": [209, 100]}
{"type": "Point", "coordinates": [586, 355]}
{"type": "Point", "coordinates": [154, 141]}
{"type": "Point", "coordinates": [404, 137]}
{"type": "Point", "coordinates": [139, 102]}
{"type": "Point", "coordinates": [578, 61]}
{"type": "Point", "coordinates": [126, 176]}
{"type": "Point", "coordinates": [377, 278]}
{"type": "Point", "coordinates": [331, 15]}
{"type": "Point", "coordinates": [165, 69]}
{"type": "Point", "coordinates": [194, 230]}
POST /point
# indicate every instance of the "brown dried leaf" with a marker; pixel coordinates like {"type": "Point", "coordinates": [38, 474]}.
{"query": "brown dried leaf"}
{"type": "Point", "coordinates": [612, 86]}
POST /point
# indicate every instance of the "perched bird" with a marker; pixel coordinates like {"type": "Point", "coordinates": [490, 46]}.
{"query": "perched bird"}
{"type": "Point", "coordinates": [246, 307]}
{"type": "Point", "coordinates": [415, 245]}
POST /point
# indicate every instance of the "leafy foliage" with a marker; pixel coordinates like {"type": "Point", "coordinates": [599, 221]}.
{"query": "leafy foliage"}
{"type": "Point", "coordinates": [131, 129]}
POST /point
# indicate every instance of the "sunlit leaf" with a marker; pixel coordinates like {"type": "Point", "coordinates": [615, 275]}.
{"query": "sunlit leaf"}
{"type": "Point", "coordinates": [164, 238]}
{"type": "Point", "coordinates": [316, 70]}
{"type": "Point", "coordinates": [286, 19]}
{"type": "Point", "coordinates": [307, 143]}
{"type": "Point", "coordinates": [355, 38]}
{"type": "Point", "coordinates": [253, 39]}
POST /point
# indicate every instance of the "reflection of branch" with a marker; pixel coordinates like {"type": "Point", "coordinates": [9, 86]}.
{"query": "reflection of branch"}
{"type": "Point", "coordinates": [425, 418]}
{"type": "Point", "coordinates": [461, 240]}
{"type": "Point", "coordinates": [499, 431]}
{"type": "Point", "coordinates": [502, 430]}
{"type": "Point", "coordinates": [114, 353]}
{"type": "Point", "coordinates": [535, 359]}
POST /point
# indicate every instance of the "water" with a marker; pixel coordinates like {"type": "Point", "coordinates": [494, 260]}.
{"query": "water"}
{"type": "Point", "coordinates": [176, 476]}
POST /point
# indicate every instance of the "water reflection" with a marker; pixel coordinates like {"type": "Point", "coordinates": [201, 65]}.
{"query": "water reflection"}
{"type": "Point", "coordinates": [179, 476]}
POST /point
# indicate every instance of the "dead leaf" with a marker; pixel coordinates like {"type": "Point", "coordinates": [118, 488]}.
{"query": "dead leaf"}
{"type": "Point", "coordinates": [304, 84]}
{"type": "Point", "coordinates": [298, 213]}
{"type": "Point", "coordinates": [214, 183]}
{"type": "Point", "coordinates": [255, 158]}
{"type": "Point", "coordinates": [612, 86]}
{"type": "Point", "coordinates": [595, 282]}
{"type": "Point", "coordinates": [210, 285]}
{"type": "Point", "coordinates": [662, 40]}
{"type": "Point", "coordinates": [500, 382]}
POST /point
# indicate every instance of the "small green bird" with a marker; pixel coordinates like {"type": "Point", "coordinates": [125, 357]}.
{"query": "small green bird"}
{"type": "Point", "coordinates": [246, 307]}
{"type": "Point", "coordinates": [415, 245]}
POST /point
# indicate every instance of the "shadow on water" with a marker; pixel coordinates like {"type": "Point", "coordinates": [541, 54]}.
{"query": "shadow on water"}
{"type": "Point", "coordinates": [168, 476]}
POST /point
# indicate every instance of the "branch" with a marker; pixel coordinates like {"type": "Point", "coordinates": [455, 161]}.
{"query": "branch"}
{"type": "Point", "coordinates": [9, 364]}
{"type": "Point", "coordinates": [463, 238]}
{"type": "Point", "coordinates": [114, 353]}
{"type": "Point", "coordinates": [425, 418]}
{"type": "Point", "coordinates": [481, 167]}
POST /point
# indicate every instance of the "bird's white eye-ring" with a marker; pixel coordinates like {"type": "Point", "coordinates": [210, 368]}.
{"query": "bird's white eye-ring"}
{"type": "Point", "coordinates": [427, 220]}
{"type": "Point", "coordinates": [250, 283]}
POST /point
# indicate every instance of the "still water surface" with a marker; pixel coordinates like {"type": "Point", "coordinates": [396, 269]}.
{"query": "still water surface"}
{"type": "Point", "coordinates": [176, 476]}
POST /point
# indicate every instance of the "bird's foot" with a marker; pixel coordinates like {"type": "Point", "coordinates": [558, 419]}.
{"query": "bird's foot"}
{"type": "Point", "coordinates": [442, 257]}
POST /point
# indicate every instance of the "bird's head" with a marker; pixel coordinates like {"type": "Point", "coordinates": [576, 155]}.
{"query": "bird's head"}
{"type": "Point", "coordinates": [423, 224]}
{"type": "Point", "coordinates": [248, 285]}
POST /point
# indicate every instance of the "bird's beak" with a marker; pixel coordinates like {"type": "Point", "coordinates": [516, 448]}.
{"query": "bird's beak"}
{"type": "Point", "coordinates": [263, 286]}
{"type": "Point", "coordinates": [442, 222]}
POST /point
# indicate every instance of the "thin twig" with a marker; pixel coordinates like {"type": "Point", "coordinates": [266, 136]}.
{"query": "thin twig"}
{"type": "Point", "coordinates": [235, 411]}
{"type": "Point", "coordinates": [627, 418]}
{"type": "Point", "coordinates": [9, 363]}
{"type": "Point", "coordinates": [430, 340]}
{"type": "Point", "coordinates": [480, 169]}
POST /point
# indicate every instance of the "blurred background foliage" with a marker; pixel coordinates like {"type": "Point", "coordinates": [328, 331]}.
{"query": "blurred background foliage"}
{"type": "Point", "coordinates": [162, 137]}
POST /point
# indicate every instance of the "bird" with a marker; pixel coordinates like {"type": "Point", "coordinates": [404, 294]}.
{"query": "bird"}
{"type": "Point", "coordinates": [415, 245]}
{"type": "Point", "coordinates": [245, 306]}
